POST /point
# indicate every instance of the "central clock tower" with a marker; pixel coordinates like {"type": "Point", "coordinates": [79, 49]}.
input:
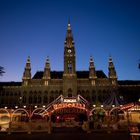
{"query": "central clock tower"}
{"type": "Point", "coordinates": [69, 75]}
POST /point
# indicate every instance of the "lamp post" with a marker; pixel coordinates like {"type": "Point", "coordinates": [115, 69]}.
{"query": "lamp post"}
{"type": "Point", "coordinates": [9, 131]}
{"type": "Point", "coordinates": [20, 101]}
{"type": "Point", "coordinates": [49, 124]}
{"type": "Point", "coordinates": [127, 116]}
{"type": "Point", "coordinates": [29, 123]}
{"type": "Point", "coordinates": [139, 64]}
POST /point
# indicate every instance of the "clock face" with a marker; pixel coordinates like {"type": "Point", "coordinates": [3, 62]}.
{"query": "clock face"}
{"type": "Point", "coordinates": [69, 50]}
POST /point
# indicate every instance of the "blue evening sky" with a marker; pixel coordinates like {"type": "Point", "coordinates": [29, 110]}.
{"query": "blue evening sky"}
{"type": "Point", "coordinates": [37, 28]}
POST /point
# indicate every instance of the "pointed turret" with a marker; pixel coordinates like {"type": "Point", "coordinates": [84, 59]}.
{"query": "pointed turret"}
{"type": "Point", "coordinates": [92, 72]}
{"type": "Point", "coordinates": [69, 42]}
{"type": "Point", "coordinates": [27, 72]}
{"type": "Point", "coordinates": [46, 74]}
{"type": "Point", "coordinates": [112, 72]}
{"type": "Point", "coordinates": [69, 27]}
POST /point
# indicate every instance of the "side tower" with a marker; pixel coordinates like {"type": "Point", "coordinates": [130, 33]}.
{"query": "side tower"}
{"type": "Point", "coordinates": [27, 73]}
{"type": "Point", "coordinates": [69, 75]}
{"type": "Point", "coordinates": [112, 72]}
{"type": "Point", "coordinates": [46, 74]}
{"type": "Point", "coordinates": [92, 72]}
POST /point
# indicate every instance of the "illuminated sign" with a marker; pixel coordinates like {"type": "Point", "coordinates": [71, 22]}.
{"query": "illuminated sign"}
{"type": "Point", "coordinates": [126, 106]}
{"type": "Point", "coordinates": [70, 101]}
{"type": "Point", "coordinates": [69, 105]}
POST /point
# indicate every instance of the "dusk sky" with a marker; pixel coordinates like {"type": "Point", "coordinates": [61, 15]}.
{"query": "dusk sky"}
{"type": "Point", "coordinates": [37, 28]}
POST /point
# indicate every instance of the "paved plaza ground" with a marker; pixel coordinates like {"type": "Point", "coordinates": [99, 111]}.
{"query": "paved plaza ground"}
{"type": "Point", "coordinates": [67, 134]}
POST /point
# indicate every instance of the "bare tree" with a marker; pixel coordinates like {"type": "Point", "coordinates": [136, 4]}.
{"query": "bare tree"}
{"type": "Point", "coordinates": [139, 64]}
{"type": "Point", "coordinates": [1, 71]}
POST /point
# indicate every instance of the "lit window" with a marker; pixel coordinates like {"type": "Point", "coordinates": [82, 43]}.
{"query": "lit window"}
{"type": "Point", "coordinates": [69, 67]}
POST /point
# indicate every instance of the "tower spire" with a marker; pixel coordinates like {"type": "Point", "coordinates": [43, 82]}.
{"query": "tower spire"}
{"type": "Point", "coordinates": [27, 72]}
{"type": "Point", "coordinates": [69, 37]}
{"type": "Point", "coordinates": [69, 27]}
{"type": "Point", "coordinates": [69, 52]}
{"type": "Point", "coordinates": [92, 72]}
{"type": "Point", "coordinates": [46, 74]}
{"type": "Point", "coordinates": [112, 72]}
{"type": "Point", "coordinates": [69, 75]}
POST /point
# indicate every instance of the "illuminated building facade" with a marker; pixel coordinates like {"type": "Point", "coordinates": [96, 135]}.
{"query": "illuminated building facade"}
{"type": "Point", "coordinates": [45, 86]}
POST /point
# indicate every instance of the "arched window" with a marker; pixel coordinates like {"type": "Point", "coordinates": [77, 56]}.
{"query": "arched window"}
{"type": "Point", "coordinates": [78, 92]}
{"type": "Point", "coordinates": [35, 99]}
{"type": "Point", "coordinates": [51, 98]}
{"type": "Point", "coordinates": [46, 92]}
{"type": "Point", "coordinates": [2, 100]}
{"type": "Point", "coordinates": [30, 92]}
{"type": "Point", "coordinates": [7, 93]}
{"type": "Point", "coordinates": [60, 92]}
{"type": "Point", "coordinates": [93, 91]}
{"type": "Point", "coordinates": [104, 92]}
{"type": "Point", "coordinates": [100, 98]}
{"type": "Point", "coordinates": [99, 91]}
{"type": "Point", "coordinates": [52, 92]}
{"type": "Point", "coordinates": [69, 67]}
{"type": "Point", "coordinates": [93, 98]}
{"type": "Point", "coordinates": [39, 99]}
{"type": "Point", "coordinates": [11, 94]}
{"type": "Point", "coordinates": [87, 95]}
{"type": "Point", "coordinates": [83, 93]}
{"type": "Point", "coordinates": [35, 92]}
{"type": "Point", "coordinates": [88, 98]}
{"type": "Point", "coordinates": [30, 100]}
{"type": "Point", "coordinates": [87, 92]}
{"type": "Point", "coordinates": [69, 92]}
{"type": "Point", "coordinates": [56, 94]}
{"type": "Point", "coordinates": [45, 100]}
{"type": "Point", "coordinates": [24, 99]}
{"type": "Point", "coordinates": [19, 93]}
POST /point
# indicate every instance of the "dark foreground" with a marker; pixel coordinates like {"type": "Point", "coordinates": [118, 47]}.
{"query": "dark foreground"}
{"type": "Point", "coordinates": [67, 134]}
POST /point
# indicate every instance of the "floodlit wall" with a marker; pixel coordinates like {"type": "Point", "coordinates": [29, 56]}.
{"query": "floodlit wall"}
{"type": "Point", "coordinates": [135, 117]}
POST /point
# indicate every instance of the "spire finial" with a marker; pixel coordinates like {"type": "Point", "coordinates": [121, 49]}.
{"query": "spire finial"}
{"type": "Point", "coordinates": [91, 58]}
{"type": "Point", "coordinates": [69, 20]}
{"type": "Point", "coordinates": [28, 59]}
{"type": "Point", "coordinates": [69, 27]}
{"type": "Point", "coordinates": [110, 58]}
{"type": "Point", "coordinates": [47, 60]}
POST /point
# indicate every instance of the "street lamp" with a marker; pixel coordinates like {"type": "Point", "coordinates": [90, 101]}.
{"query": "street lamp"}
{"type": "Point", "coordinates": [24, 106]}
{"type": "Point", "coordinates": [5, 107]}
{"type": "Point", "coordinates": [16, 107]}
{"type": "Point", "coordinates": [43, 106]}
{"type": "Point", "coordinates": [113, 105]}
{"type": "Point", "coordinates": [35, 106]}
{"type": "Point", "coordinates": [102, 106]}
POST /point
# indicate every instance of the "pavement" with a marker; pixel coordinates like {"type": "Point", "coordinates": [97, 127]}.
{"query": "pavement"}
{"type": "Point", "coordinates": [67, 134]}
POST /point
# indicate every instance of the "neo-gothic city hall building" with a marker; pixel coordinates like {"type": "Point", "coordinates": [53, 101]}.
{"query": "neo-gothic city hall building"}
{"type": "Point", "coordinates": [45, 86]}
